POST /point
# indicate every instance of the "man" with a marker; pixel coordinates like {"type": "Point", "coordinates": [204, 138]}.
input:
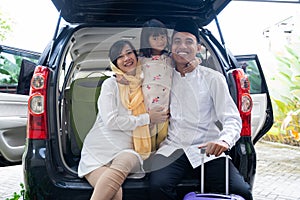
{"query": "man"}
{"type": "Point", "coordinates": [198, 100]}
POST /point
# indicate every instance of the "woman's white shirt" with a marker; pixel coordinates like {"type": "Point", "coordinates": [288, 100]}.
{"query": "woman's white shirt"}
{"type": "Point", "coordinates": [111, 133]}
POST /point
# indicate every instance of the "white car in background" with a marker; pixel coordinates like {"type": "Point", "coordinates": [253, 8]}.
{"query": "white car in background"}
{"type": "Point", "coordinates": [16, 69]}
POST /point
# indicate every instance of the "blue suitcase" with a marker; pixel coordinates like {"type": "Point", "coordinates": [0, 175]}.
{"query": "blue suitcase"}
{"type": "Point", "coordinates": [210, 196]}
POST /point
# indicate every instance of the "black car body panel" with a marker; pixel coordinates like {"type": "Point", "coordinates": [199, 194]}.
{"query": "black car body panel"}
{"type": "Point", "coordinates": [124, 11]}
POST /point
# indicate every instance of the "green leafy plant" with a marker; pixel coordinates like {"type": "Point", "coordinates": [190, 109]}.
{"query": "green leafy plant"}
{"type": "Point", "coordinates": [21, 195]}
{"type": "Point", "coordinates": [286, 97]}
{"type": "Point", "coordinates": [10, 68]}
{"type": "Point", "coordinates": [5, 26]}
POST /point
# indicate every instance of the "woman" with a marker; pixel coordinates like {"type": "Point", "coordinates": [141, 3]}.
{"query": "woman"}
{"type": "Point", "coordinates": [109, 155]}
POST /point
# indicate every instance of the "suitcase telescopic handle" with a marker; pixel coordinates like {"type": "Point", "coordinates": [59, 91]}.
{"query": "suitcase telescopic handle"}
{"type": "Point", "coordinates": [202, 152]}
{"type": "Point", "coordinates": [227, 173]}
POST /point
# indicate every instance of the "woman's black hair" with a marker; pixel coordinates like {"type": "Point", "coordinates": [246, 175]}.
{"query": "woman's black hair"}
{"type": "Point", "coordinates": [116, 49]}
{"type": "Point", "coordinates": [152, 27]}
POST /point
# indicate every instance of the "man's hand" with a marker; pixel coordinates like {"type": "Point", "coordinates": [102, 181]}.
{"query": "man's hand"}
{"type": "Point", "coordinates": [215, 148]}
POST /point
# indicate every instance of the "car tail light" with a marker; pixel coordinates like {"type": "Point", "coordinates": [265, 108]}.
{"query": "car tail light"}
{"type": "Point", "coordinates": [37, 104]}
{"type": "Point", "coordinates": [244, 100]}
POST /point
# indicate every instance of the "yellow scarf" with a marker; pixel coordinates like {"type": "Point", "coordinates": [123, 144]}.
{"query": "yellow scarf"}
{"type": "Point", "coordinates": [132, 98]}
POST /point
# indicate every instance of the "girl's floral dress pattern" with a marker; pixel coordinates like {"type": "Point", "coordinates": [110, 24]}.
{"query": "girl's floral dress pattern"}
{"type": "Point", "coordinates": [157, 80]}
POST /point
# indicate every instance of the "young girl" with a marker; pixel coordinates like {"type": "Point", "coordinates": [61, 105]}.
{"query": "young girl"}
{"type": "Point", "coordinates": [156, 65]}
{"type": "Point", "coordinates": [158, 69]}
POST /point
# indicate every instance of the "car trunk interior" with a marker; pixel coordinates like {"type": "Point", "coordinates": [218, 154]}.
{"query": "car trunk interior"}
{"type": "Point", "coordinates": [80, 83]}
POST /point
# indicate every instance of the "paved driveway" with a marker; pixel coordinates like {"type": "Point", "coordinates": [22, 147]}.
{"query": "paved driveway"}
{"type": "Point", "coordinates": [278, 172]}
{"type": "Point", "coordinates": [277, 177]}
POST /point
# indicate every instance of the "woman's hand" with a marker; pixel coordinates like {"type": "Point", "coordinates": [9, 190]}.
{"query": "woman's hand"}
{"type": "Point", "coordinates": [158, 115]}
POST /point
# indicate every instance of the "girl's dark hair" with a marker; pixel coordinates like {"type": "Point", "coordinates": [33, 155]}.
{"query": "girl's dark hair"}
{"type": "Point", "coordinates": [152, 27]}
{"type": "Point", "coordinates": [116, 49]}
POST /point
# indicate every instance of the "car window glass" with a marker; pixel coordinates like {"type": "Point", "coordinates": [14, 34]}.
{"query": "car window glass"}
{"type": "Point", "coordinates": [252, 71]}
{"type": "Point", "coordinates": [15, 69]}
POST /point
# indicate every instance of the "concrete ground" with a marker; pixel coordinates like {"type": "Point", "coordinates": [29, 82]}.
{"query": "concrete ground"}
{"type": "Point", "coordinates": [278, 172]}
{"type": "Point", "coordinates": [277, 177]}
